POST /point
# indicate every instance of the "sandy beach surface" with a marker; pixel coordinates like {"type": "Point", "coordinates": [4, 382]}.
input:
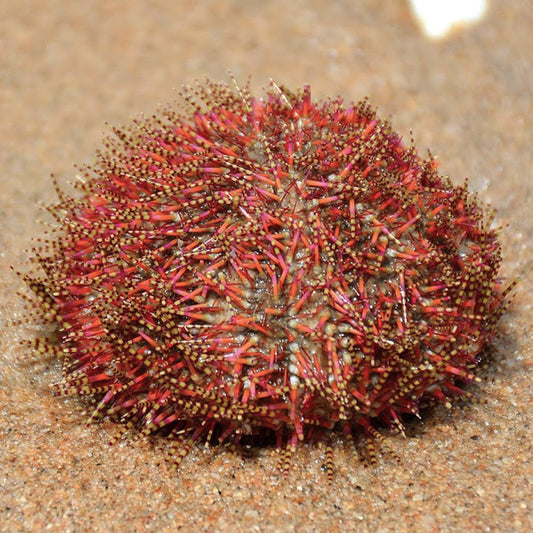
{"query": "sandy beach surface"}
{"type": "Point", "coordinates": [67, 68]}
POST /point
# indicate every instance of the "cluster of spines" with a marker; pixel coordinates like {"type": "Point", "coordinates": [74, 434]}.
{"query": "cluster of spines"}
{"type": "Point", "coordinates": [273, 267]}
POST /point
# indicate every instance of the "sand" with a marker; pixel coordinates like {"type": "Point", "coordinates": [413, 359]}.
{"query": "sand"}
{"type": "Point", "coordinates": [68, 67]}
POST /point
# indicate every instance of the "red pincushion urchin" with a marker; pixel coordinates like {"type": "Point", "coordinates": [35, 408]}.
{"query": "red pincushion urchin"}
{"type": "Point", "coordinates": [261, 268]}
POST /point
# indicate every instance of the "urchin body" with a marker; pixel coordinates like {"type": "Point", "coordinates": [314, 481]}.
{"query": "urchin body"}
{"type": "Point", "coordinates": [267, 267]}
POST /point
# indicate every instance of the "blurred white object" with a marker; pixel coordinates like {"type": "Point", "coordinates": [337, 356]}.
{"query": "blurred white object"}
{"type": "Point", "coordinates": [438, 17]}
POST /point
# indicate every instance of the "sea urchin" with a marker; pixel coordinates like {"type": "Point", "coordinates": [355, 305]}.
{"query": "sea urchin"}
{"type": "Point", "coordinates": [257, 269]}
